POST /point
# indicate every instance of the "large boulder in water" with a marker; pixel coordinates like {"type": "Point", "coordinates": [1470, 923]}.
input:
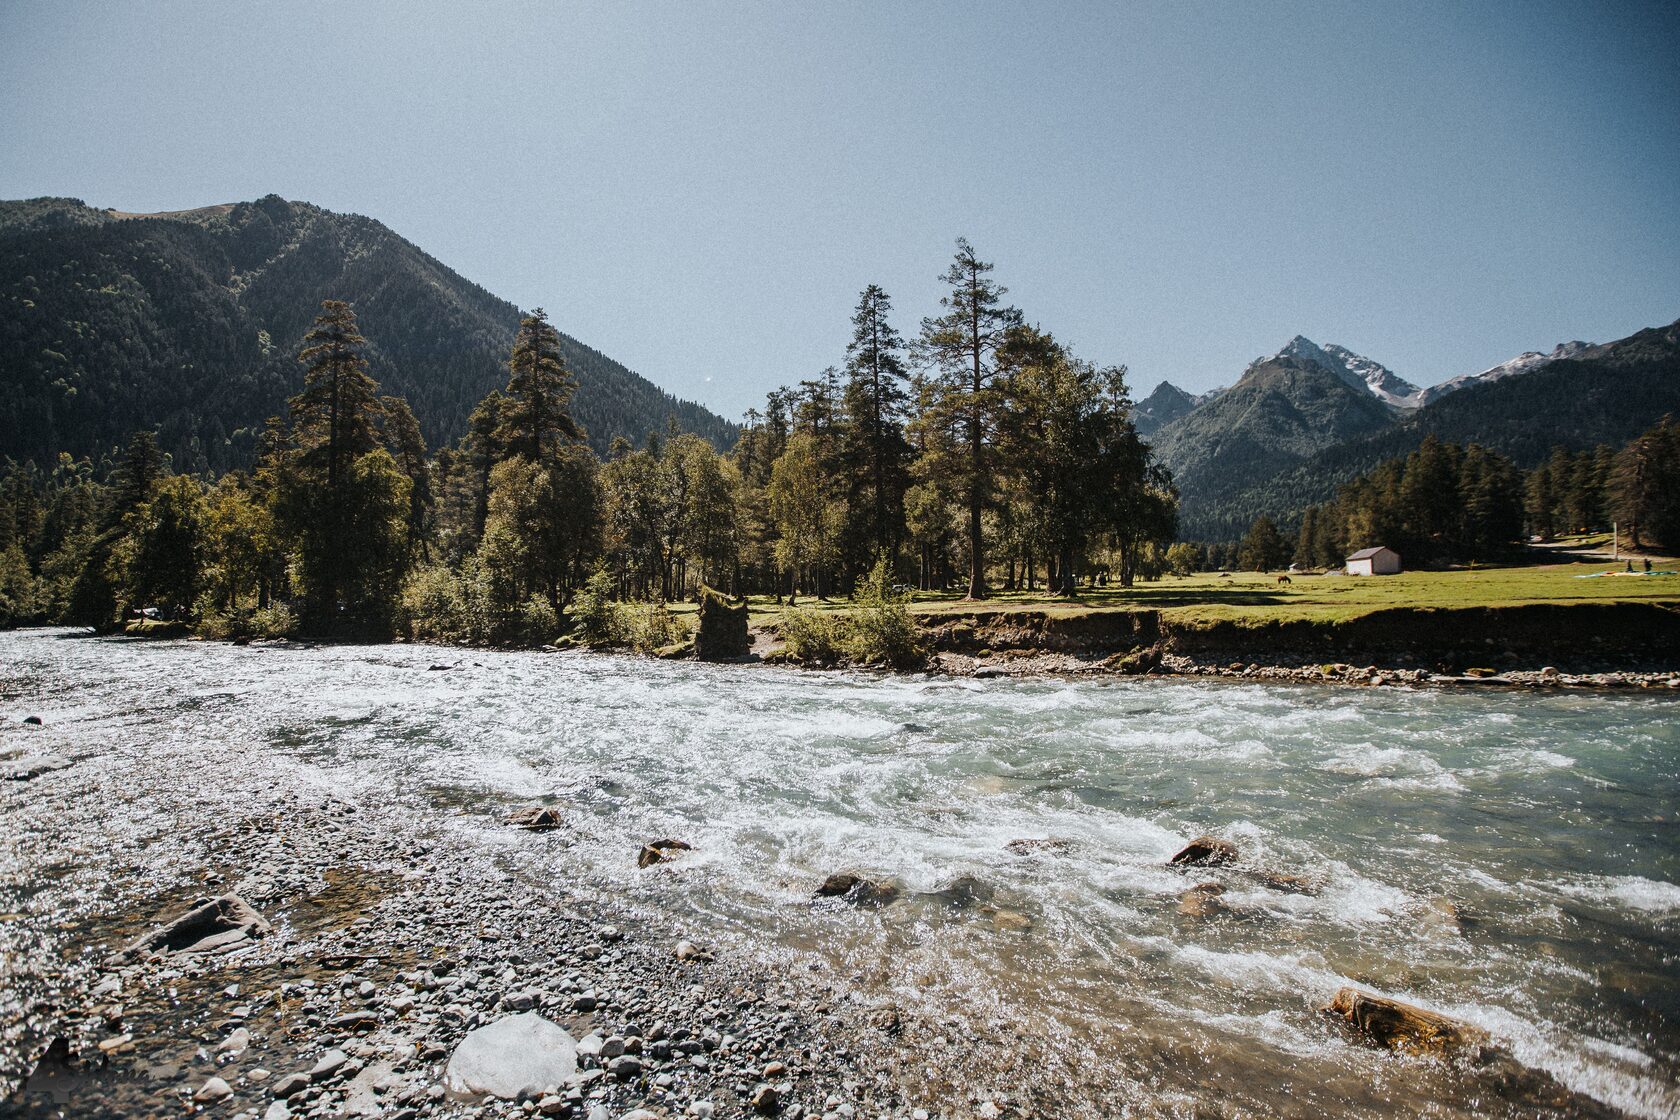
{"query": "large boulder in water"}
{"type": "Point", "coordinates": [1404, 1026]}
{"type": "Point", "coordinates": [723, 628]}
{"type": "Point", "coordinates": [520, 1055]}
{"type": "Point", "coordinates": [1206, 851]}
{"type": "Point", "coordinates": [212, 926]}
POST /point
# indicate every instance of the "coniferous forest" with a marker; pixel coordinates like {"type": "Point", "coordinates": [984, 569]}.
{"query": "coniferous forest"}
{"type": "Point", "coordinates": [979, 455]}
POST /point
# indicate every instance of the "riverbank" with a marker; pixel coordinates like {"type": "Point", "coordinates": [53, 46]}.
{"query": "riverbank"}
{"type": "Point", "coordinates": [381, 948]}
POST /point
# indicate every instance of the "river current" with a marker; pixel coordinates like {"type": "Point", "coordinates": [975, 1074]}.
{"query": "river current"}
{"type": "Point", "coordinates": [1508, 858]}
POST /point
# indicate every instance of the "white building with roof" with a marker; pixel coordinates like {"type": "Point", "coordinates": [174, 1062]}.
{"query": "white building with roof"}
{"type": "Point", "coordinates": [1378, 561]}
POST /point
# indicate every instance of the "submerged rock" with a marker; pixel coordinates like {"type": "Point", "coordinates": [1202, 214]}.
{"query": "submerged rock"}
{"type": "Point", "coordinates": [213, 926]}
{"type": "Point", "coordinates": [32, 766]}
{"type": "Point", "coordinates": [1403, 1026]}
{"type": "Point", "coordinates": [661, 851]}
{"type": "Point", "coordinates": [1202, 901]}
{"type": "Point", "coordinates": [1027, 847]}
{"type": "Point", "coordinates": [1206, 851]}
{"type": "Point", "coordinates": [520, 1055]}
{"type": "Point", "coordinates": [855, 888]}
{"type": "Point", "coordinates": [964, 893]}
{"type": "Point", "coordinates": [538, 818]}
{"type": "Point", "coordinates": [1288, 884]}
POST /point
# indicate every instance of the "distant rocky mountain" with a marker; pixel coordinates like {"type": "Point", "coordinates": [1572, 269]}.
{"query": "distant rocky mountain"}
{"type": "Point", "coordinates": [1167, 403]}
{"type": "Point", "coordinates": [1577, 397]}
{"type": "Point", "coordinates": [1522, 363]}
{"type": "Point", "coordinates": [1282, 410]}
{"type": "Point", "coordinates": [1355, 370]}
{"type": "Point", "coordinates": [190, 321]}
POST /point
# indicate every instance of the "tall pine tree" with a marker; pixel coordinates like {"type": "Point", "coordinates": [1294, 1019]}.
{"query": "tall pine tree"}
{"type": "Point", "coordinates": [963, 343]}
{"type": "Point", "coordinates": [536, 420]}
{"type": "Point", "coordinates": [335, 418]}
{"type": "Point", "coordinates": [875, 402]}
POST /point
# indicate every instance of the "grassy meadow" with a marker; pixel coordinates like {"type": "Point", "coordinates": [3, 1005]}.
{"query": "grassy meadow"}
{"type": "Point", "coordinates": [1256, 598]}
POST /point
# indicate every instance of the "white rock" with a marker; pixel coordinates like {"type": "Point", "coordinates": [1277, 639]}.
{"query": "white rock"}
{"type": "Point", "coordinates": [328, 1064]}
{"type": "Point", "coordinates": [237, 1042]}
{"type": "Point", "coordinates": [214, 1089]}
{"type": "Point", "coordinates": [278, 1111]}
{"type": "Point", "coordinates": [519, 1054]}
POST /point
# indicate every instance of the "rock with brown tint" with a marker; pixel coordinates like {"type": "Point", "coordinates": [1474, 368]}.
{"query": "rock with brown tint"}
{"type": "Point", "coordinates": [1404, 1027]}
{"type": "Point", "coordinates": [212, 926]}
{"type": "Point", "coordinates": [1202, 901]}
{"type": "Point", "coordinates": [1288, 884]}
{"type": "Point", "coordinates": [538, 818]}
{"type": "Point", "coordinates": [1206, 851]}
{"type": "Point", "coordinates": [855, 888]}
{"type": "Point", "coordinates": [661, 851]}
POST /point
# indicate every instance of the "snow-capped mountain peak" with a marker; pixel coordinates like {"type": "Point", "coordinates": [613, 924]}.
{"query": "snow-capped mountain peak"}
{"type": "Point", "coordinates": [1354, 369]}
{"type": "Point", "coordinates": [1526, 362]}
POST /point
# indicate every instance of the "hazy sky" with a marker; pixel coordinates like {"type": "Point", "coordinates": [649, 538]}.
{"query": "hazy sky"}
{"type": "Point", "coordinates": [701, 190]}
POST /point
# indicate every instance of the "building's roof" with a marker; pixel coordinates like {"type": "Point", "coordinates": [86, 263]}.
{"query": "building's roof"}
{"type": "Point", "coordinates": [1367, 553]}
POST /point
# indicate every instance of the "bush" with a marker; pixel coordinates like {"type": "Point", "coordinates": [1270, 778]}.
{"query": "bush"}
{"type": "Point", "coordinates": [814, 636]}
{"type": "Point", "coordinates": [433, 606]}
{"type": "Point", "coordinates": [538, 622]}
{"type": "Point", "coordinates": [276, 621]}
{"type": "Point", "coordinates": [882, 631]}
{"type": "Point", "coordinates": [219, 626]}
{"type": "Point", "coordinates": [650, 627]}
{"type": "Point", "coordinates": [596, 614]}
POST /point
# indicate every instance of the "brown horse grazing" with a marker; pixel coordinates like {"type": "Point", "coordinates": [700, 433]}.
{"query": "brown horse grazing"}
{"type": "Point", "coordinates": [1283, 580]}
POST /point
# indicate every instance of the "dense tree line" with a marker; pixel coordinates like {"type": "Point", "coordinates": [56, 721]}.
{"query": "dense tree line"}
{"type": "Point", "coordinates": [1444, 504]}
{"type": "Point", "coordinates": [982, 453]}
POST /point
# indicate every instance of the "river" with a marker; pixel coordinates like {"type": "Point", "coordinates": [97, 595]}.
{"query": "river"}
{"type": "Point", "coordinates": [1510, 858]}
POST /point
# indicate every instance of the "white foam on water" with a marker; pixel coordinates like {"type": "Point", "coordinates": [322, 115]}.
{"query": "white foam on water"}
{"type": "Point", "coordinates": [1627, 892]}
{"type": "Point", "coordinates": [1257, 972]}
{"type": "Point", "coordinates": [1391, 767]}
{"type": "Point", "coordinates": [1583, 1064]}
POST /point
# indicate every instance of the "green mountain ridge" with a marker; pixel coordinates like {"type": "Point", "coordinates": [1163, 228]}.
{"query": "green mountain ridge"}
{"type": "Point", "coordinates": [1280, 412]}
{"type": "Point", "coordinates": [1608, 393]}
{"type": "Point", "coordinates": [189, 322]}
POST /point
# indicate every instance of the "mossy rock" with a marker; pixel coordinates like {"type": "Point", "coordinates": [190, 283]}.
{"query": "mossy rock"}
{"type": "Point", "coordinates": [156, 628]}
{"type": "Point", "coordinates": [779, 657]}
{"type": "Point", "coordinates": [722, 633]}
{"type": "Point", "coordinates": [675, 651]}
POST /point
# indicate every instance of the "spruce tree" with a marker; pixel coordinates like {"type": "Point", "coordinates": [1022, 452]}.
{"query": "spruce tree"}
{"type": "Point", "coordinates": [963, 343]}
{"type": "Point", "coordinates": [334, 419]}
{"type": "Point", "coordinates": [536, 420]}
{"type": "Point", "coordinates": [875, 403]}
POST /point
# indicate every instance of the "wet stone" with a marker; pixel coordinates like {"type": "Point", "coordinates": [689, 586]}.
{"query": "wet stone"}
{"type": "Point", "coordinates": [1206, 851]}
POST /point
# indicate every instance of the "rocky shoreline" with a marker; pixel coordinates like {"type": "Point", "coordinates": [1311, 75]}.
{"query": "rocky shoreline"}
{"type": "Point", "coordinates": [1026, 663]}
{"type": "Point", "coordinates": [367, 959]}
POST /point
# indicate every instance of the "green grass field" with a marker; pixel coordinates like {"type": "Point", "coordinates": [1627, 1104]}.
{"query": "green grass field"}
{"type": "Point", "coordinates": [1249, 597]}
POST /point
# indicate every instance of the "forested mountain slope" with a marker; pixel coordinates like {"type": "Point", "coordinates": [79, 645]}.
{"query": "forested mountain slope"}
{"type": "Point", "coordinates": [189, 322]}
{"type": "Point", "coordinates": [1282, 411]}
{"type": "Point", "coordinates": [1605, 394]}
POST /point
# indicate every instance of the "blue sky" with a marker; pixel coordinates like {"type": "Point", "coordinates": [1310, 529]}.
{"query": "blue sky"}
{"type": "Point", "coordinates": [701, 190]}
